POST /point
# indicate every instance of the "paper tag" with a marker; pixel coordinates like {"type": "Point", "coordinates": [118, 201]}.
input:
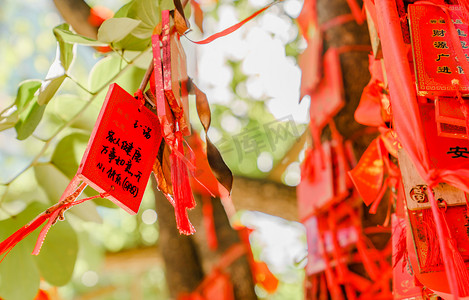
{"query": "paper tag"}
{"type": "Point", "coordinates": [433, 49]}
{"type": "Point", "coordinates": [121, 150]}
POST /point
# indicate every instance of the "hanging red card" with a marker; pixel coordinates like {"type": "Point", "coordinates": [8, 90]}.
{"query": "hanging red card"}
{"type": "Point", "coordinates": [328, 98]}
{"type": "Point", "coordinates": [317, 184]}
{"type": "Point", "coordinates": [121, 150]}
{"type": "Point", "coordinates": [436, 65]}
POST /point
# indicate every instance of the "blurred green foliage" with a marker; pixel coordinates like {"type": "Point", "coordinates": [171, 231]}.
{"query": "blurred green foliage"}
{"type": "Point", "coordinates": [53, 117]}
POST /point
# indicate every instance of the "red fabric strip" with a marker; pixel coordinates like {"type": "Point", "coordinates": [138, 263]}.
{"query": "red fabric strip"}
{"type": "Point", "coordinates": [234, 27]}
{"type": "Point", "coordinates": [52, 214]}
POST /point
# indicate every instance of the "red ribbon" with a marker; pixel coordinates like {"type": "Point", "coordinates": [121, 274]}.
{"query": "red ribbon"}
{"type": "Point", "coordinates": [234, 27]}
{"type": "Point", "coordinates": [52, 214]}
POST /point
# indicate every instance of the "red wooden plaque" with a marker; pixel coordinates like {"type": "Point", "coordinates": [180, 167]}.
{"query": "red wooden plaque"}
{"type": "Point", "coordinates": [121, 150]}
{"type": "Point", "coordinates": [435, 61]}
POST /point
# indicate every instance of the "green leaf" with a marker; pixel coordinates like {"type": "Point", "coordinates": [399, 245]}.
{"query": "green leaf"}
{"type": "Point", "coordinates": [28, 120]}
{"type": "Point", "coordinates": [56, 260]}
{"type": "Point", "coordinates": [124, 10]}
{"type": "Point", "coordinates": [8, 121]}
{"type": "Point", "coordinates": [49, 88]}
{"type": "Point", "coordinates": [23, 99]}
{"type": "Point", "coordinates": [69, 37]}
{"type": "Point", "coordinates": [69, 152]}
{"type": "Point", "coordinates": [19, 275]}
{"type": "Point", "coordinates": [26, 92]}
{"type": "Point", "coordinates": [149, 12]}
{"type": "Point", "coordinates": [131, 42]}
{"type": "Point", "coordinates": [54, 182]}
{"type": "Point", "coordinates": [65, 107]}
{"type": "Point", "coordinates": [66, 49]}
{"type": "Point", "coordinates": [115, 29]}
{"type": "Point", "coordinates": [103, 71]}
{"type": "Point", "coordinates": [167, 4]}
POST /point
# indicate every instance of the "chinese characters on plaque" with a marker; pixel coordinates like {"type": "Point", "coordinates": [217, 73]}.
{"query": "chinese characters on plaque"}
{"type": "Point", "coordinates": [122, 149]}
{"type": "Point", "coordinates": [435, 62]}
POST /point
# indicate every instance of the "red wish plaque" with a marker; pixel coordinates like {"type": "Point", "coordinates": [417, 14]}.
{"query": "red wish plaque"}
{"type": "Point", "coordinates": [435, 60]}
{"type": "Point", "coordinates": [121, 150]}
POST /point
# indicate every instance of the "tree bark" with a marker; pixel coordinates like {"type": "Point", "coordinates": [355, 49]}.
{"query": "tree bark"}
{"type": "Point", "coordinates": [188, 258]}
{"type": "Point", "coordinates": [183, 268]}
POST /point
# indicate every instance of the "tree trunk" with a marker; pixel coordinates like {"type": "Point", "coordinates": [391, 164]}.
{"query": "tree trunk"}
{"type": "Point", "coordinates": [188, 258]}
{"type": "Point", "coordinates": [183, 268]}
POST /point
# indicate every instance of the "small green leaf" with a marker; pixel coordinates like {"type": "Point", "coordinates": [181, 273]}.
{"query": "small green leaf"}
{"type": "Point", "coordinates": [115, 29]}
{"type": "Point", "coordinates": [54, 182]}
{"type": "Point", "coordinates": [23, 99]}
{"type": "Point", "coordinates": [124, 10]}
{"type": "Point", "coordinates": [8, 121]}
{"type": "Point", "coordinates": [87, 211]}
{"type": "Point", "coordinates": [70, 37]}
{"type": "Point", "coordinates": [148, 12]}
{"type": "Point", "coordinates": [103, 71]}
{"type": "Point", "coordinates": [56, 260]}
{"type": "Point", "coordinates": [133, 43]}
{"type": "Point", "coordinates": [66, 49]}
{"type": "Point", "coordinates": [49, 88]}
{"type": "Point", "coordinates": [166, 4]}
{"type": "Point", "coordinates": [69, 152]}
{"type": "Point", "coordinates": [26, 92]}
{"type": "Point", "coordinates": [65, 107]}
{"type": "Point", "coordinates": [28, 120]}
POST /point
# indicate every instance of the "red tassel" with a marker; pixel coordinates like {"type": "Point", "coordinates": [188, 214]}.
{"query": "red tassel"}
{"type": "Point", "coordinates": [401, 246]}
{"type": "Point", "coordinates": [456, 271]}
{"type": "Point", "coordinates": [209, 222]}
{"type": "Point", "coordinates": [183, 198]}
{"type": "Point", "coordinates": [428, 230]}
